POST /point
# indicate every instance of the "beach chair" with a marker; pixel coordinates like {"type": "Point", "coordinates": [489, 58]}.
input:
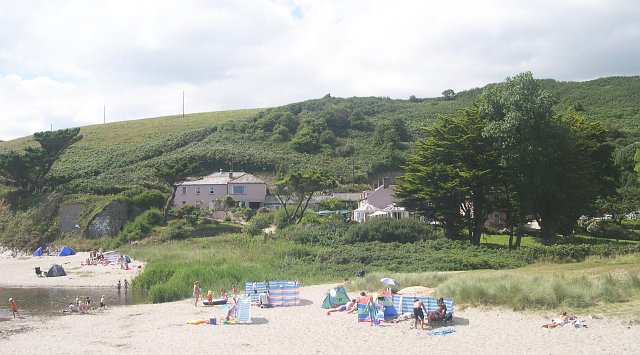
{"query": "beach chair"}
{"type": "Point", "coordinates": [263, 300]}
{"type": "Point", "coordinates": [243, 314]}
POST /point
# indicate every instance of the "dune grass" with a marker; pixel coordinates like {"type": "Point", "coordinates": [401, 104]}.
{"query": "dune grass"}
{"type": "Point", "coordinates": [607, 286]}
{"type": "Point", "coordinates": [598, 286]}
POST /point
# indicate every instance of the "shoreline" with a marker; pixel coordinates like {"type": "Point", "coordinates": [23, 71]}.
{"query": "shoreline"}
{"type": "Point", "coordinates": [302, 329]}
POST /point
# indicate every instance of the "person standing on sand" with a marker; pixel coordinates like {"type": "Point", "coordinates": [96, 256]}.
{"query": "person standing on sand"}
{"type": "Point", "coordinates": [119, 286]}
{"type": "Point", "coordinates": [14, 307]}
{"type": "Point", "coordinates": [126, 284]}
{"type": "Point", "coordinates": [196, 292]}
{"type": "Point", "coordinates": [102, 304]}
{"type": "Point", "coordinates": [371, 308]}
{"type": "Point", "coordinates": [418, 314]}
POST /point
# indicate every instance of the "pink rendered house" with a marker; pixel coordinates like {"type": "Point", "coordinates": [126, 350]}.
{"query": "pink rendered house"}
{"type": "Point", "coordinates": [209, 191]}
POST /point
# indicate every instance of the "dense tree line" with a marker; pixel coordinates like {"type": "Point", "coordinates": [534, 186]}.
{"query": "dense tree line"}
{"type": "Point", "coordinates": [510, 151]}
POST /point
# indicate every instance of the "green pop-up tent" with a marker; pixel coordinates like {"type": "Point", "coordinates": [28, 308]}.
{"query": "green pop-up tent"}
{"type": "Point", "coordinates": [337, 296]}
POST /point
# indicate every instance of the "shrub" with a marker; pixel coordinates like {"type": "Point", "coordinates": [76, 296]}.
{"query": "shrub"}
{"type": "Point", "coordinates": [391, 230]}
{"type": "Point", "coordinates": [141, 226]}
{"type": "Point", "coordinates": [149, 199]}
{"type": "Point", "coordinates": [327, 234]}
{"type": "Point", "coordinates": [179, 230]}
{"type": "Point", "coordinates": [257, 224]}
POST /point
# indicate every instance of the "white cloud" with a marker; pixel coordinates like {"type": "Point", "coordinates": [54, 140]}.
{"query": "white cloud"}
{"type": "Point", "coordinates": [60, 62]}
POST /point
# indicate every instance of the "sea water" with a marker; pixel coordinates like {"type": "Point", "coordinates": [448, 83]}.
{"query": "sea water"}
{"type": "Point", "coordinates": [50, 301]}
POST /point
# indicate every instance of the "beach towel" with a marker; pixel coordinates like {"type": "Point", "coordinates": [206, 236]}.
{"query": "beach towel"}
{"type": "Point", "coordinates": [441, 332]}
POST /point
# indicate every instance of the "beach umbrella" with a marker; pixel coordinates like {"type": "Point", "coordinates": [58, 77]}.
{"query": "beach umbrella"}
{"type": "Point", "coordinates": [416, 290]}
{"type": "Point", "coordinates": [389, 281]}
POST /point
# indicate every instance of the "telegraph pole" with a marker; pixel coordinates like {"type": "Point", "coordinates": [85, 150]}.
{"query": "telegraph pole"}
{"type": "Point", "coordinates": [104, 114]}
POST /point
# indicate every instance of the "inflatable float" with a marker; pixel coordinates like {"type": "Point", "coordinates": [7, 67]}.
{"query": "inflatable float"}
{"type": "Point", "coordinates": [215, 302]}
{"type": "Point", "coordinates": [198, 321]}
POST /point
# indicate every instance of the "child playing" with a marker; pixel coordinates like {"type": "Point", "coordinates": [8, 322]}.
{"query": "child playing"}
{"type": "Point", "coordinates": [14, 307]}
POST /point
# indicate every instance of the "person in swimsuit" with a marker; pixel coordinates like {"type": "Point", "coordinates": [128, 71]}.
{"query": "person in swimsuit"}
{"type": "Point", "coordinates": [439, 314]}
{"type": "Point", "coordinates": [196, 292]}
{"type": "Point", "coordinates": [14, 307]}
{"type": "Point", "coordinates": [349, 307]}
{"type": "Point", "coordinates": [418, 314]}
{"type": "Point", "coordinates": [560, 321]}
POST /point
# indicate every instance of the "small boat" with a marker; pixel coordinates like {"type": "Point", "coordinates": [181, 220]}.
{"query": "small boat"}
{"type": "Point", "coordinates": [215, 302]}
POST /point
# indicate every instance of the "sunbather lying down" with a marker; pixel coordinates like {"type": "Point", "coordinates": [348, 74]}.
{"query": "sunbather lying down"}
{"type": "Point", "coordinates": [403, 317]}
{"type": "Point", "coordinates": [349, 307]}
{"type": "Point", "coordinates": [564, 319]}
{"type": "Point", "coordinates": [560, 321]}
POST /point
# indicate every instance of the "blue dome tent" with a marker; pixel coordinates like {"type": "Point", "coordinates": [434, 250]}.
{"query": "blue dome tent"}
{"type": "Point", "coordinates": [38, 252]}
{"type": "Point", "coordinates": [66, 251]}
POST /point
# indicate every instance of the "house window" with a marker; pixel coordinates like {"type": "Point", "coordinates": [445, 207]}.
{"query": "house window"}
{"type": "Point", "coordinates": [184, 190]}
{"type": "Point", "coordinates": [211, 190]}
{"type": "Point", "coordinates": [198, 204]}
{"type": "Point", "coordinates": [197, 190]}
{"type": "Point", "coordinates": [237, 190]}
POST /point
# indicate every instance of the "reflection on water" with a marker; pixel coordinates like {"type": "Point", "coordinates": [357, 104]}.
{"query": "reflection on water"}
{"type": "Point", "coordinates": [50, 301]}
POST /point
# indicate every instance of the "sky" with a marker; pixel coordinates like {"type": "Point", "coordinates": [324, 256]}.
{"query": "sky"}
{"type": "Point", "coordinates": [74, 63]}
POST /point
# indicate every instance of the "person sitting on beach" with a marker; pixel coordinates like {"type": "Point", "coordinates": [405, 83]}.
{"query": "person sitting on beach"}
{"type": "Point", "coordinates": [363, 299]}
{"type": "Point", "coordinates": [223, 294]}
{"type": "Point", "coordinates": [82, 307]}
{"type": "Point", "coordinates": [349, 307]}
{"type": "Point", "coordinates": [560, 321]}
{"type": "Point", "coordinates": [438, 314]}
{"type": "Point", "coordinates": [418, 313]}
{"type": "Point", "coordinates": [72, 308]}
{"type": "Point", "coordinates": [87, 301]}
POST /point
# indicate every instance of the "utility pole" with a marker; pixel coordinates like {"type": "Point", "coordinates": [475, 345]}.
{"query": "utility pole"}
{"type": "Point", "coordinates": [104, 114]}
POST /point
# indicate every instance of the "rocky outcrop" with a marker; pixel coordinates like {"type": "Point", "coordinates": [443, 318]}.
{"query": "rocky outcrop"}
{"type": "Point", "coordinates": [107, 222]}
{"type": "Point", "coordinates": [69, 214]}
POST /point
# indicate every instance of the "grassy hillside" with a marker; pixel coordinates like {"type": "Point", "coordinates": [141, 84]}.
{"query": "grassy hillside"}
{"type": "Point", "coordinates": [353, 139]}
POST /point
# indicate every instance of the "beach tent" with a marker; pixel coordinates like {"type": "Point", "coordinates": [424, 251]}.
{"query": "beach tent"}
{"type": "Point", "coordinates": [337, 296]}
{"type": "Point", "coordinates": [56, 270]}
{"type": "Point", "coordinates": [66, 251]}
{"type": "Point", "coordinates": [38, 252]}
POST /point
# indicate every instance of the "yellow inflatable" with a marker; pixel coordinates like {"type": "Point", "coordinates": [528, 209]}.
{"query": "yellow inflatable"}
{"type": "Point", "coordinates": [198, 321]}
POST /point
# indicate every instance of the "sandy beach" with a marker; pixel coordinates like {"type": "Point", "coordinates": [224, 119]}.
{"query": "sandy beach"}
{"type": "Point", "coordinates": [303, 329]}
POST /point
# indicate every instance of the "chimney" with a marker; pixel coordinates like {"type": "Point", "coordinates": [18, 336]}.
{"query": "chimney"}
{"type": "Point", "coordinates": [220, 171]}
{"type": "Point", "coordinates": [385, 182]}
{"type": "Point", "coordinates": [230, 174]}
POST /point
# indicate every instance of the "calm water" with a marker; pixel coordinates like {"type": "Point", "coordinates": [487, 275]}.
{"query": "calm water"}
{"type": "Point", "coordinates": [51, 301]}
